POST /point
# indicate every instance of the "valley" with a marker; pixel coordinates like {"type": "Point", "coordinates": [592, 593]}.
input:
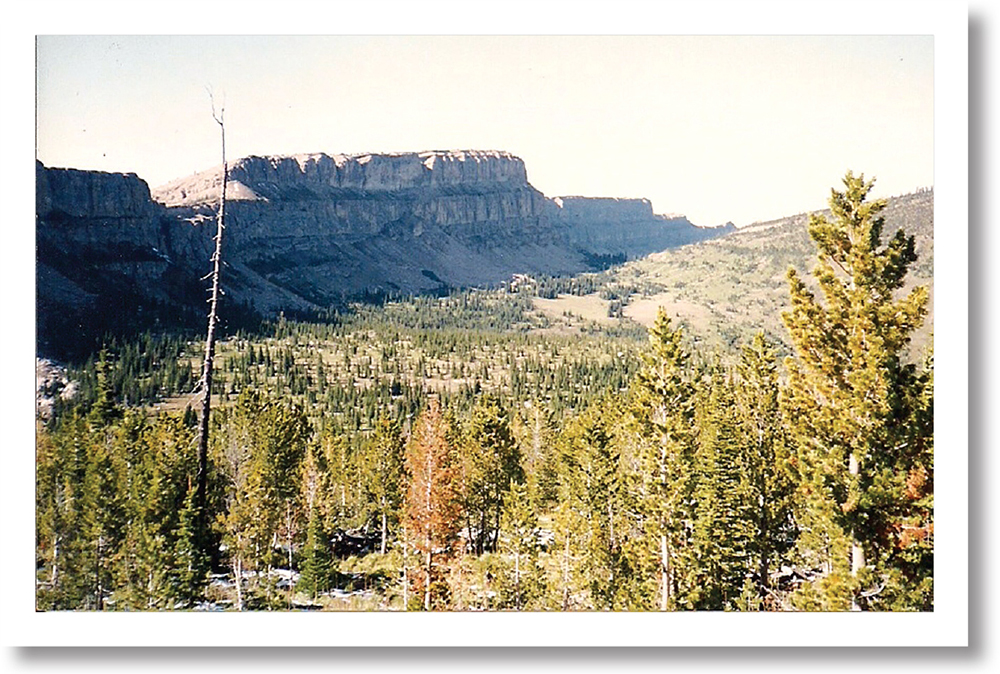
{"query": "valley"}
{"type": "Point", "coordinates": [574, 418]}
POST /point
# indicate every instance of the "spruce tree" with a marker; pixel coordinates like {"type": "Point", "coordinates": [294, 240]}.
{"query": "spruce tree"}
{"type": "Point", "coordinates": [316, 558]}
{"type": "Point", "coordinates": [260, 451]}
{"type": "Point", "coordinates": [593, 486]}
{"type": "Point", "coordinates": [851, 398]}
{"type": "Point", "coordinates": [721, 533]}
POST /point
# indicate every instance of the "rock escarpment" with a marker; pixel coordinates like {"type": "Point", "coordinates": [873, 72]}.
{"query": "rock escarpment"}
{"type": "Point", "coordinates": [99, 254]}
{"type": "Point", "coordinates": [309, 231]}
{"type": "Point", "coordinates": [324, 228]}
{"type": "Point", "coordinates": [627, 226]}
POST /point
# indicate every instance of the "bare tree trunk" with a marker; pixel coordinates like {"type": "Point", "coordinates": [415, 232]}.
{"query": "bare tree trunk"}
{"type": "Point", "coordinates": [406, 579]}
{"type": "Point", "coordinates": [288, 530]}
{"type": "Point", "coordinates": [55, 561]}
{"type": "Point", "coordinates": [664, 573]}
{"type": "Point", "coordinates": [239, 583]}
{"type": "Point", "coordinates": [427, 584]}
{"type": "Point", "coordinates": [99, 603]}
{"type": "Point", "coordinates": [565, 578]}
{"type": "Point", "coordinates": [429, 534]}
{"type": "Point", "coordinates": [288, 539]}
{"type": "Point", "coordinates": [517, 581]}
{"type": "Point", "coordinates": [206, 375]}
{"type": "Point", "coordinates": [857, 552]}
{"type": "Point", "coordinates": [385, 527]}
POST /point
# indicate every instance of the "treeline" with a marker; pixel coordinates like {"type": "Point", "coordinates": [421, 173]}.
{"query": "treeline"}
{"type": "Point", "coordinates": [689, 482]}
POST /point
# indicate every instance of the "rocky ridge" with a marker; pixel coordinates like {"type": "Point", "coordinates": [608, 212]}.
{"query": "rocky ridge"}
{"type": "Point", "coordinates": [307, 232]}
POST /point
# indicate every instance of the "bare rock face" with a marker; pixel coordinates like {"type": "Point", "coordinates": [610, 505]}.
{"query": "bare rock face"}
{"type": "Point", "coordinates": [90, 195]}
{"type": "Point", "coordinates": [626, 226]}
{"type": "Point", "coordinates": [51, 384]}
{"type": "Point", "coordinates": [99, 253]}
{"type": "Point", "coordinates": [326, 227]}
{"type": "Point", "coordinates": [322, 176]}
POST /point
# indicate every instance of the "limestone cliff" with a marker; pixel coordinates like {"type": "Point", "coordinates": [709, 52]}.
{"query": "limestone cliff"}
{"type": "Point", "coordinates": [327, 227]}
{"type": "Point", "coordinates": [627, 226]}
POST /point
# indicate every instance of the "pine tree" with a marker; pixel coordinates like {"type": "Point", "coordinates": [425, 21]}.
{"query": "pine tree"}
{"type": "Point", "coordinates": [191, 563]}
{"type": "Point", "coordinates": [381, 473]}
{"type": "Point", "coordinates": [261, 450]}
{"type": "Point", "coordinates": [535, 430]}
{"type": "Point", "coordinates": [594, 490]}
{"type": "Point", "coordinates": [491, 463]}
{"type": "Point", "coordinates": [102, 518]}
{"type": "Point", "coordinates": [850, 398]}
{"type": "Point", "coordinates": [431, 509]}
{"type": "Point", "coordinates": [664, 411]}
{"type": "Point", "coordinates": [104, 410]}
{"type": "Point", "coordinates": [768, 474]}
{"type": "Point", "coordinates": [523, 583]}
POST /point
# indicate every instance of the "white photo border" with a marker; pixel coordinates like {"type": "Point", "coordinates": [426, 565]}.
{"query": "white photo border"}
{"type": "Point", "coordinates": [947, 625]}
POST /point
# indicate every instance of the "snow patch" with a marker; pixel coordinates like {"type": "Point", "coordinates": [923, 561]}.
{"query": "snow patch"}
{"type": "Point", "coordinates": [237, 191]}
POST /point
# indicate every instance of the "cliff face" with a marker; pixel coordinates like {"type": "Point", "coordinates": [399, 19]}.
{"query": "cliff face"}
{"type": "Point", "coordinates": [323, 228]}
{"type": "Point", "coordinates": [626, 226]}
{"type": "Point", "coordinates": [308, 231]}
{"type": "Point", "coordinates": [101, 262]}
{"type": "Point", "coordinates": [322, 176]}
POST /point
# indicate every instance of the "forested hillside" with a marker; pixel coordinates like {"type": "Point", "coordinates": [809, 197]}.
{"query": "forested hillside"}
{"type": "Point", "coordinates": [724, 290]}
{"type": "Point", "coordinates": [530, 447]}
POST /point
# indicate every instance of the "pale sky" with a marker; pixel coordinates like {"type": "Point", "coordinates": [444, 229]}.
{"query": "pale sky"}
{"type": "Point", "coordinates": [716, 128]}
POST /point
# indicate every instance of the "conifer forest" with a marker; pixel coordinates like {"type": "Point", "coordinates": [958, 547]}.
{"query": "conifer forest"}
{"type": "Point", "coordinates": [469, 452]}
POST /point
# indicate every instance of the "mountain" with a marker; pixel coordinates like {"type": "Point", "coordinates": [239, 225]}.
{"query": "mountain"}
{"type": "Point", "coordinates": [726, 289]}
{"type": "Point", "coordinates": [627, 226]}
{"type": "Point", "coordinates": [307, 232]}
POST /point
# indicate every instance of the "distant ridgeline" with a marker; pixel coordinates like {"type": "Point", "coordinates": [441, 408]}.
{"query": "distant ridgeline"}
{"type": "Point", "coordinates": [308, 232]}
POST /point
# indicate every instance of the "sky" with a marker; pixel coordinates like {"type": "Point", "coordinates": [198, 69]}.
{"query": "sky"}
{"type": "Point", "coordinates": [719, 128]}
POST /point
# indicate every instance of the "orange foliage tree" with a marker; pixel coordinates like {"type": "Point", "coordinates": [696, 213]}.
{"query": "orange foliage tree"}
{"type": "Point", "coordinates": [431, 510]}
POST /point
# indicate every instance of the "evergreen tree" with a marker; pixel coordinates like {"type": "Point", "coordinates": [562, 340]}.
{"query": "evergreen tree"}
{"type": "Point", "coordinates": [593, 486]}
{"type": "Point", "coordinates": [851, 398]}
{"type": "Point", "coordinates": [664, 411]}
{"type": "Point", "coordinates": [261, 450]}
{"type": "Point", "coordinates": [316, 560]}
{"type": "Point", "coordinates": [381, 472]}
{"type": "Point", "coordinates": [721, 528]}
{"type": "Point", "coordinates": [191, 561]}
{"type": "Point", "coordinates": [523, 582]}
{"type": "Point", "coordinates": [60, 460]}
{"type": "Point", "coordinates": [102, 518]}
{"type": "Point", "coordinates": [104, 409]}
{"type": "Point", "coordinates": [768, 474]}
{"type": "Point", "coordinates": [535, 430]}
{"type": "Point", "coordinates": [491, 462]}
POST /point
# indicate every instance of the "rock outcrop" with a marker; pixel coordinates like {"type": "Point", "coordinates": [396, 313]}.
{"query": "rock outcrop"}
{"type": "Point", "coordinates": [309, 231]}
{"type": "Point", "coordinates": [628, 226]}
